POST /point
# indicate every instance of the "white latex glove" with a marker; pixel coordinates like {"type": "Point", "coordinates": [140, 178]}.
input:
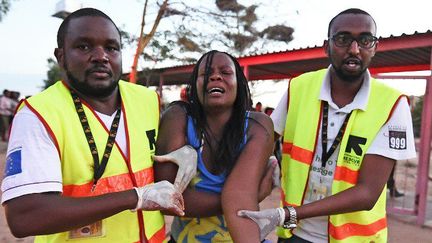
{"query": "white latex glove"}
{"type": "Point", "coordinates": [276, 172]}
{"type": "Point", "coordinates": [267, 219]}
{"type": "Point", "coordinates": [186, 159]}
{"type": "Point", "coordinates": [160, 196]}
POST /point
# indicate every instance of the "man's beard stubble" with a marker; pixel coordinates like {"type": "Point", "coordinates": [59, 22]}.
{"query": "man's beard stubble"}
{"type": "Point", "coordinates": [86, 89]}
{"type": "Point", "coordinates": [349, 78]}
{"type": "Point", "coordinates": [346, 77]}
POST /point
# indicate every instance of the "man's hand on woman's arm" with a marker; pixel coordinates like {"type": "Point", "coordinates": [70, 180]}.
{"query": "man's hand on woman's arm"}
{"type": "Point", "coordinates": [186, 159]}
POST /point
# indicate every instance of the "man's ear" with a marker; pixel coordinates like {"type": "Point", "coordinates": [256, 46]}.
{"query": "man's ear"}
{"type": "Point", "coordinates": [375, 48]}
{"type": "Point", "coordinates": [58, 53]}
{"type": "Point", "coordinates": [326, 47]}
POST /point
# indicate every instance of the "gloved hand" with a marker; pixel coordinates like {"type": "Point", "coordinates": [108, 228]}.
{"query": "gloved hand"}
{"type": "Point", "coordinates": [186, 159]}
{"type": "Point", "coordinates": [276, 172]}
{"type": "Point", "coordinates": [267, 219]}
{"type": "Point", "coordinates": [160, 196]}
{"type": "Point", "coordinates": [270, 180]}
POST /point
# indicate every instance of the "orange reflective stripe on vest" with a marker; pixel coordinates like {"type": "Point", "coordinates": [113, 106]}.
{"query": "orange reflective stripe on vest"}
{"type": "Point", "coordinates": [297, 153]}
{"type": "Point", "coordinates": [345, 174]}
{"type": "Point", "coordinates": [159, 236]}
{"type": "Point", "coordinates": [110, 184]}
{"type": "Point", "coordinates": [344, 231]}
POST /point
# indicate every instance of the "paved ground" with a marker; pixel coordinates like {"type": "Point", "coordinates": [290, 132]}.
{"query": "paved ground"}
{"type": "Point", "coordinates": [401, 228]}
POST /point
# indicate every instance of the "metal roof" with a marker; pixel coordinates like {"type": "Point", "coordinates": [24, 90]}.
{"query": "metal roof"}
{"type": "Point", "coordinates": [407, 52]}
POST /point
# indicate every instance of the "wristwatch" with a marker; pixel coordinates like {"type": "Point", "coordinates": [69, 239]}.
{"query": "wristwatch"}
{"type": "Point", "coordinates": [291, 223]}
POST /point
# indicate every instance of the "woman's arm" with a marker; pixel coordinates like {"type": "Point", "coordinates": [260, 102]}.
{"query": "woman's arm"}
{"type": "Point", "coordinates": [172, 135]}
{"type": "Point", "coordinates": [241, 188]}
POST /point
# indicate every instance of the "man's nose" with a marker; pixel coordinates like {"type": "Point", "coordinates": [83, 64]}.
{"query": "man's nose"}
{"type": "Point", "coordinates": [99, 55]}
{"type": "Point", "coordinates": [354, 48]}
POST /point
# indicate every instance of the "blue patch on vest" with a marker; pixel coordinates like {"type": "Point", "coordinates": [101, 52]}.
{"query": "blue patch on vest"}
{"type": "Point", "coordinates": [13, 163]}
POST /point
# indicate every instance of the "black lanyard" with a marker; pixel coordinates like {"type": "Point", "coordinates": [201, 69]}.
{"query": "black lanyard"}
{"type": "Point", "coordinates": [326, 155]}
{"type": "Point", "coordinates": [98, 168]}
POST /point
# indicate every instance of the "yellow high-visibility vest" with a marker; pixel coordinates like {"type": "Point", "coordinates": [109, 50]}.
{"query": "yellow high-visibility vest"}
{"type": "Point", "coordinates": [140, 107]}
{"type": "Point", "coordinates": [299, 145]}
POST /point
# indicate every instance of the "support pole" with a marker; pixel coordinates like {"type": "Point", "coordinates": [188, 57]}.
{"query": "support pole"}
{"type": "Point", "coordinates": [424, 153]}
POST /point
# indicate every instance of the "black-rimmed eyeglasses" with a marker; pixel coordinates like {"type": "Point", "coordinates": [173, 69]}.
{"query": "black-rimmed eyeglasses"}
{"type": "Point", "coordinates": [345, 40]}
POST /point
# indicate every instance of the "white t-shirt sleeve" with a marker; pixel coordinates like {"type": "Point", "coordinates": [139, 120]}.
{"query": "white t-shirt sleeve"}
{"type": "Point", "coordinates": [32, 160]}
{"type": "Point", "coordinates": [395, 140]}
{"type": "Point", "coordinates": [279, 114]}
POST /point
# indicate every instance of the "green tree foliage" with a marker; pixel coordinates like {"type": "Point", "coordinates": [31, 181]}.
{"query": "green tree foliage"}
{"type": "Point", "coordinates": [4, 8]}
{"type": "Point", "coordinates": [240, 22]}
{"type": "Point", "coordinates": [186, 31]}
{"type": "Point", "coordinates": [53, 73]}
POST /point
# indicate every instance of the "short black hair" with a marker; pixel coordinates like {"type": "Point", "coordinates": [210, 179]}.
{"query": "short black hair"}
{"type": "Point", "coordinates": [83, 12]}
{"type": "Point", "coordinates": [349, 11]}
{"type": "Point", "coordinates": [267, 109]}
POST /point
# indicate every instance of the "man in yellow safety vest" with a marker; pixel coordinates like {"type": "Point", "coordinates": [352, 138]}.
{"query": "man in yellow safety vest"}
{"type": "Point", "coordinates": [79, 161]}
{"type": "Point", "coordinates": [342, 133]}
